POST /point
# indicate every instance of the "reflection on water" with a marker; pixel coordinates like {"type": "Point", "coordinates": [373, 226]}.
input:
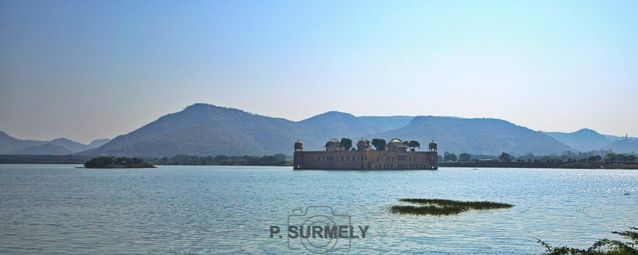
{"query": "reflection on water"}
{"type": "Point", "coordinates": [64, 209]}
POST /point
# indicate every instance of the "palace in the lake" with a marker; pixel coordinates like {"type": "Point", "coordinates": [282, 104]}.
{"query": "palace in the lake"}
{"type": "Point", "coordinates": [394, 155]}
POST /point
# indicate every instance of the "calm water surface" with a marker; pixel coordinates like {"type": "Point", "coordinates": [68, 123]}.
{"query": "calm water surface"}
{"type": "Point", "coordinates": [61, 209]}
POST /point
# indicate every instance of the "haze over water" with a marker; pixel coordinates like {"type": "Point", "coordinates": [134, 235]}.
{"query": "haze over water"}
{"type": "Point", "coordinates": [61, 209]}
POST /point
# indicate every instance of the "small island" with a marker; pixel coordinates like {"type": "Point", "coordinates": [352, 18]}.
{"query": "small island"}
{"type": "Point", "coordinates": [117, 162]}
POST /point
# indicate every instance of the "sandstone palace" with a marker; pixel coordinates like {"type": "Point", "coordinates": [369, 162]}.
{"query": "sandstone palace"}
{"type": "Point", "coordinates": [375, 155]}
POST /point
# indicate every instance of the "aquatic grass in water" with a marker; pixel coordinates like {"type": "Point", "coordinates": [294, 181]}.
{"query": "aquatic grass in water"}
{"type": "Point", "coordinates": [443, 206]}
{"type": "Point", "coordinates": [477, 205]}
{"type": "Point", "coordinates": [426, 210]}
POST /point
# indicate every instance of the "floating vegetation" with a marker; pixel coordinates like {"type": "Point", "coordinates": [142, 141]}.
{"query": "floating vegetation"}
{"type": "Point", "coordinates": [443, 206]}
{"type": "Point", "coordinates": [426, 210]}
{"type": "Point", "coordinates": [601, 247]}
{"type": "Point", "coordinates": [477, 205]}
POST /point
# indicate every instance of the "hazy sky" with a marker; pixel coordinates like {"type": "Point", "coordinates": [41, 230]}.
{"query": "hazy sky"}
{"type": "Point", "coordinates": [96, 69]}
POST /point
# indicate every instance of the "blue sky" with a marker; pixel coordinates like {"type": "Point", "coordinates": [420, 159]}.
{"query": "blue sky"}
{"type": "Point", "coordinates": [95, 69]}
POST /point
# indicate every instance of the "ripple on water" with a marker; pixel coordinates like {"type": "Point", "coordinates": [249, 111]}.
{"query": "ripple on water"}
{"type": "Point", "coordinates": [61, 209]}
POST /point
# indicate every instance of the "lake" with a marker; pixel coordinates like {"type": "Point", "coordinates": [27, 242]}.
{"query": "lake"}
{"type": "Point", "coordinates": [62, 209]}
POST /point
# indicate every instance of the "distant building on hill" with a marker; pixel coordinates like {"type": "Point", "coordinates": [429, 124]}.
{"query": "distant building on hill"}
{"type": "Point", "coordinates": [395, 156]}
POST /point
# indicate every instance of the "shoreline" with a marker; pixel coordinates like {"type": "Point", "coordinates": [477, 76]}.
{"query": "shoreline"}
{"type": "Point", "coordinates": [601, 166]}
{"type": "Point", "coordinates": [81, 159]}
{"type": "Point", "coordinates": [455, 165]}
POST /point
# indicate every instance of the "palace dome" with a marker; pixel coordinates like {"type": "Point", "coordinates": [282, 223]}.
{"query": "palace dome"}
{"type": "Point", "coordinates": [396, 145]}
{"type": "Point", "coordinates": [396, 142]}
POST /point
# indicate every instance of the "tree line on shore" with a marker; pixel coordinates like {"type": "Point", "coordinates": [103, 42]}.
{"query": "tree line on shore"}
{"type": "Point", "coordinates": [117, 162]}
{"type": "Point", "coordinates": [447, 157]}
{"type": "Point", "coordinates": [266, 160]}
{"type": "Point", "coordinates": [594, 156]}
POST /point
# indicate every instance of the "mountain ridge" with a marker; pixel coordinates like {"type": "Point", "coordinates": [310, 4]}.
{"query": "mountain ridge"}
{"type": "Point", "coordinates": [43, 149]}
{"type": "Point", "coordinates": [58, 146]}
{"type": "Point", "coordinates": [584, 139]}
{"type": "Point", "coordinates": [488, 136]}
{"type": "Point", "coordinates": [205, 129]}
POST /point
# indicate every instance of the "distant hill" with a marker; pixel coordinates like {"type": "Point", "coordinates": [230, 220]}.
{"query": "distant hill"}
{"type": "Point", "coordinates": [477, 136]}
{"type": "Point", "coordinates": [97, 143]}
{"type": "Point", "coordinates": [334, 124]}
{"type": "Point", "coordinates": [386, 122]}
{"type": "Point", "coordinates": [58, 146]}
{"type": "Point", "coordinates": [9, 144]}
{"type": "Point", "coordinates": [624, 146]}
{"type": "Point", "coordinates": [587, 140]}
{"type": "Point", "coordinates": [582, 140]}
{"type": "Point", "coordinates": [614, 138]}
{"type": "Point", "coordinates": [43, 149]}
{"type": "Point", "coordinates": [203, 129]}
{"type": "Point", "coordinates": [68, 144]}
{"type": "Point", "coordinates": [338, 124]}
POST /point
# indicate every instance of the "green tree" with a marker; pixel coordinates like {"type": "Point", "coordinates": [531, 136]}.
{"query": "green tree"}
{"type": "Point", "coordinates": [346, 143]}
{"type": "Point", "coordinates": [99, 162]}
{"type": "Point", "coordinates": [505, 157]}
{"type": "Point", "coordinates": [600, 247]}
{"type": "Point", "coordinates": [119, 162]}
{"type": "Point", "coordinates": [465, 157]}
{"type": "Point", "coordinates": [631, 158]}
{"type": "Point", "coordinates": [280, 157]}
{"type": "Point", "coordinates": [621, 157]}
{"type": "Point", "coordinates": [220, 159]}
{"type": "Point", "coordinates": [610, 157]}
{"type": "Point", "coordinates": [449, 157]}
{"type": "Point", "coordinates": [379, 144]}
{"type": "Point", "coordinates": [414, 145]}
{"type": "Point", "coordinates": [594, 158]}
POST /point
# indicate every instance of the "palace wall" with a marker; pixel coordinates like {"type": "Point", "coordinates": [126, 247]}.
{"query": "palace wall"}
{"type": "Point", "coordinates": [365, 160]}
